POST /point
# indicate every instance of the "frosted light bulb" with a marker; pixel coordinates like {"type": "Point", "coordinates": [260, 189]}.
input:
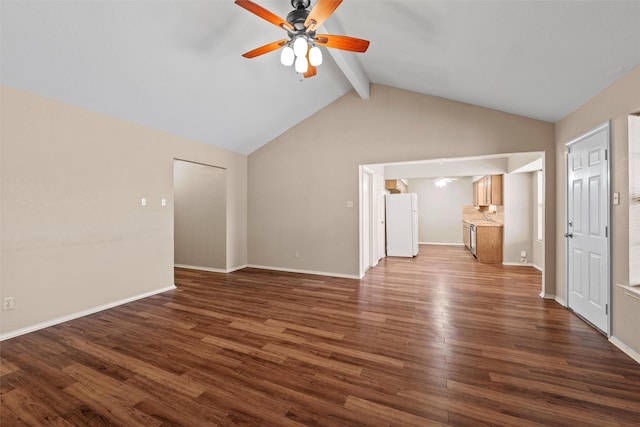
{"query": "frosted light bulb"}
{"type": "Point", "coordinates": [315, 56]}
{"type": "Point", "coordinates": [300, 47]}
{"type": "Point", "coordinates": [301, 64]}
{"type": "Point", "coordinates": [287, 56]}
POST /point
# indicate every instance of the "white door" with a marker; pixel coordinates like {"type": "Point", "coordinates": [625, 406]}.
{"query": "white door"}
{"type": "Point", "coordinates": [588, 226]}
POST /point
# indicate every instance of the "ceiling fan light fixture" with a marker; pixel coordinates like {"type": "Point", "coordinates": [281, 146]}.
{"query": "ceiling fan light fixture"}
{"type": "Point", "coordinates": [315, 56]}
{"type": "Point", "coordinates": [300, 47]}
{"type": "Point", "coordinates": [287, 56]}
{"type": "Point", "coordinates": [301, 25]}
{"type": "Point", "coordinates": [441, 183]}
{"type": "Point", "coordinates": [301, 64]}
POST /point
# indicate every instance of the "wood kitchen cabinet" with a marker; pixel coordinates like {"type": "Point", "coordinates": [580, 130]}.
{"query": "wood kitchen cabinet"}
{"type": "Point", "coordinates": [489, 244]}
{"type": "Point", "coordinates": [395, 186]}
{"type": "Point", "coordinates": [479, 194]}
{"type": "Point", "coordinates": [488, 191]}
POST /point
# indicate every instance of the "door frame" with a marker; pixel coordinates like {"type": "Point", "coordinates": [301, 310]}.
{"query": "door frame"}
{"type": "Point", "coordinates": [370, 229]}
{"type": "Point", "coordinates": [604, 126]}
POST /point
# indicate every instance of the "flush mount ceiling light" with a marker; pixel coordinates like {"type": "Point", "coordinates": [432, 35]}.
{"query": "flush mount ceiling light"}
{"type": "Point", "coordinates": [301, 24]}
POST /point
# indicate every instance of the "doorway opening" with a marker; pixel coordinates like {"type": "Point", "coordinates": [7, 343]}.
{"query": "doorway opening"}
{"type": "Point", "coordinates": [200, 210]}
{"type": "Point", "coordinates": [440, 208]}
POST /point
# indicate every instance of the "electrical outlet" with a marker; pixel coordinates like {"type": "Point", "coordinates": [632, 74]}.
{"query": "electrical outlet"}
{"type": "Point", "coordinates": [8, 303]}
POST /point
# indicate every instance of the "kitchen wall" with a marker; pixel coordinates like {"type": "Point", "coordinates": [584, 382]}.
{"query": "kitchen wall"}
{"type": "Point", "coordinates": [75, 237]}
{"type": "Point", "coordinates": [440, 209]}
{"type": "Point", "coordinates": [614, 103]}
{"type": "Point", "coordinates": [518, 216]}
{"type": "Point", "coordinates": [537, 245]}
{"type": "Point", "coordinates": [300, 183]}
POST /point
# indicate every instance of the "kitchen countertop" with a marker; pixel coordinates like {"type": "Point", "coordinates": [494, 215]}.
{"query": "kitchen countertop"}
{"type": "Point", "coordinates": [483, 223]}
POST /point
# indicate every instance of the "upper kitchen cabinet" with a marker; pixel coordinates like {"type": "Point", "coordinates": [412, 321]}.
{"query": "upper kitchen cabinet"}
{"type": "Point", "coordinates": [488, 191]}
{"type": "Point", "coordinates": [396, 186]}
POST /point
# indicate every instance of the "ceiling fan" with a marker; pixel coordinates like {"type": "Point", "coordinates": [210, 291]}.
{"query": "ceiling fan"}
{"type": "Point", "coordinates": [301, 25]}
{"type": "Point", "coordinates": [442, 181]}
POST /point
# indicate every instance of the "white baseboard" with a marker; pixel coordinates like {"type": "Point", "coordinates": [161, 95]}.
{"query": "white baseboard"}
{"type": "Point", "coordinates": [560, 301]}
{"type": "Point", "coordinates": [294, 270]}
{"type": "Point", "coordinates": [547, 296]}
{"type": "Point", "coordinates": [210, 269]}
{"type": "Point", "coordinates": [196, 267]}
{"type": "Point", "coordinates": [267, 267]}
{"type": "Point", "coordinates": [625, 348]}
{"type": "Point", "coordinates": [240, 267]}
{"type": "Point", "coordinates": [518, 264]}
{"type": "Point", "coordinates": [536, 266]}
{"type": "Point", "coordinates": [82, 313]}
{"type": "Point", "coordinates": [441, 244]}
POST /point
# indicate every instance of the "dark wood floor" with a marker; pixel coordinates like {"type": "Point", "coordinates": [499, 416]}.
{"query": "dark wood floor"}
{"type": "Point", "coordinates": [435, 340]}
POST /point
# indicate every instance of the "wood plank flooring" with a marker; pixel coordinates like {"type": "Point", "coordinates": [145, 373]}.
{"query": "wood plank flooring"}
{"type": "Point", "coordinates": [436, 340]}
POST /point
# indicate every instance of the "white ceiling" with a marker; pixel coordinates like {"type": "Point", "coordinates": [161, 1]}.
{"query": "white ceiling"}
{"type": "Point", "coordinates": [177, 65]}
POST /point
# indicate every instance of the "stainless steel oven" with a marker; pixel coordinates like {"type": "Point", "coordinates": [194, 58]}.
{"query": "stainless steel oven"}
{"type": "Point", "coordinates": [472, 238]}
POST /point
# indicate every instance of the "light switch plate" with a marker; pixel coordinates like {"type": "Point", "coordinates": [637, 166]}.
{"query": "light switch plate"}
{"type": "Point", "coordinates": [616, 198]}
{"type": "Point", "coordinates": [163, 202]}
{"type": "Point", "coordinates": [143, 202]}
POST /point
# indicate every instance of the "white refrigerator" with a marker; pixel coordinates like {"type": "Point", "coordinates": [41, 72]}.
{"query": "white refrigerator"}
{"type": "Point", "coordinates": [402, 224]}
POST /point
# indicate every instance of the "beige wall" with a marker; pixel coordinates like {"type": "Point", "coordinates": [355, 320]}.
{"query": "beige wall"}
{"type": "Point", "coordinates": [74, 234]}
{"type": "Point", "coordinates": [199, 215]}
{"type": "Point", "coordinates": [300, 182]}
{"type": "Point", "coordinates": [614, 103]}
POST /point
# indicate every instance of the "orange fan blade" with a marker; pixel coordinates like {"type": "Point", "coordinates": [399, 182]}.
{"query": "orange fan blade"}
{"type": "Point", "coordinates": [265, 49]}
{"type": "Point", "coordinates": [264, 14]}
{"type": "Point", "coordinates": [351, 44]}
{"type": "Point", "coordinates": [320, 12]}
{"type": "Point", "coordinates": [311, 71]}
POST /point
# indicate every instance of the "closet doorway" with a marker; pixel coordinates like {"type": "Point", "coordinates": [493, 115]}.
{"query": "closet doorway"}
{"type": "Point", "coordinates": [200, 216]}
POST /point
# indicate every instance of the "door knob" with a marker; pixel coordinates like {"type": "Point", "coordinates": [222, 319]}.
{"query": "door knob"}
{"type": "Point", "coordinates": [568, 234]}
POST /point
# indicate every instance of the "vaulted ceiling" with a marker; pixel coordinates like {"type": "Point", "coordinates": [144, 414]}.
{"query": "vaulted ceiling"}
{"type": "Point", "coordinates": [177, 66]}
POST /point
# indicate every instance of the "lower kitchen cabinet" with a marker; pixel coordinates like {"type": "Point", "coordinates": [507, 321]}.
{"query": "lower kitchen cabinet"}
{"type": "Point", "coordinates": [489, 244]}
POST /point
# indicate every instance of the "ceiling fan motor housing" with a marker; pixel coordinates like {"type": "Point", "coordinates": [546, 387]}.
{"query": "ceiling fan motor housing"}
{"type": "Point", "coordinates": [297, 17]}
